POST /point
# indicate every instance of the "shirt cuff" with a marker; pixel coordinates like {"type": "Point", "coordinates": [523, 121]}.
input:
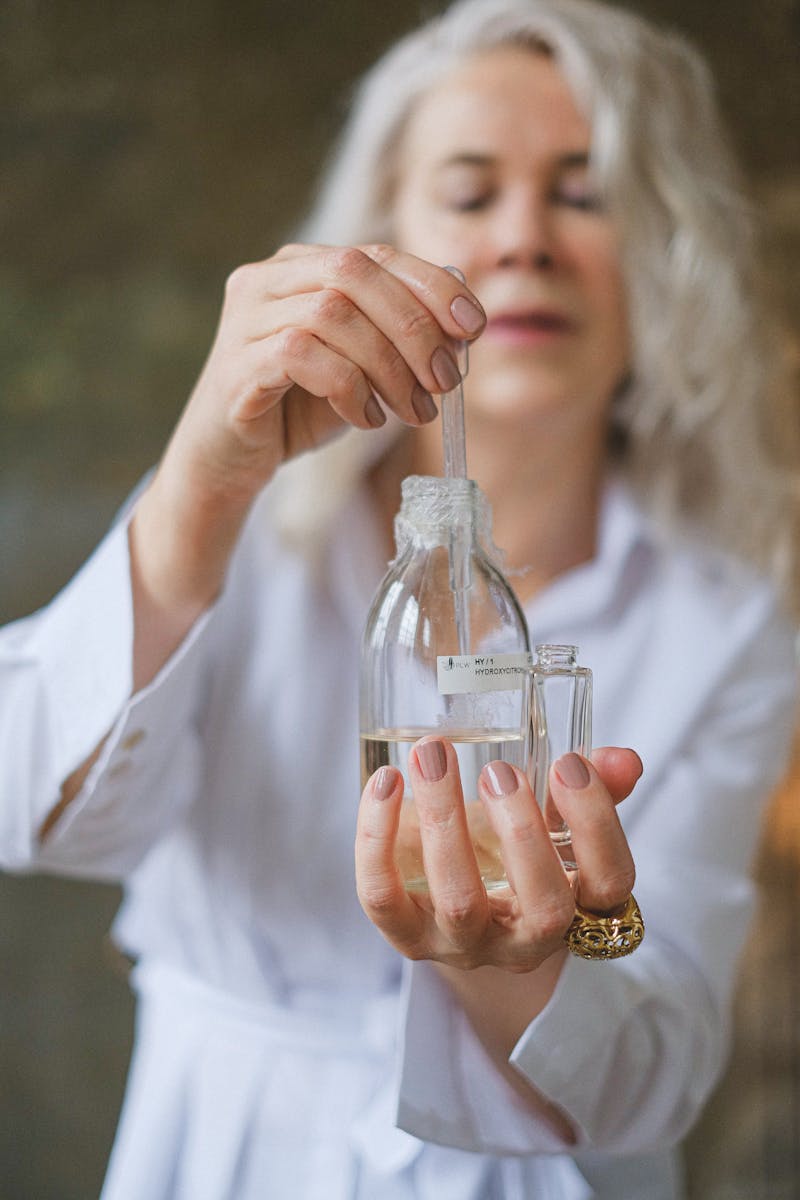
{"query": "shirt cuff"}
{"type": "Point", "coordinates": [84, 640]}
{"type": "Point", "coordinates": [628, 1049]}
{"type": "Point", "coordinates": [450, 1091]}
{"type": "Point", "coordinates": [567, 1051]}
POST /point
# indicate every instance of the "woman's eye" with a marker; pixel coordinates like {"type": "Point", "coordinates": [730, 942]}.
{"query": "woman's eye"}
{"type": "Point", "coordinates": [580, 198]}
{"type": "Point", "coordinates": [469, 198]}
{"type": "Point", "coordinates": [468, 201]}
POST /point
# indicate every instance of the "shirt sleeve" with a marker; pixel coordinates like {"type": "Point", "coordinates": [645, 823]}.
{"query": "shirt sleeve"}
{"type": "Point", "coordinates": [65, 685]}
{"type": "Point", "coordinates": [630, 1049]}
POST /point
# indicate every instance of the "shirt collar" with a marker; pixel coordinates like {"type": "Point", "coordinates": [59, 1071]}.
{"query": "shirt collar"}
{"type": "Point", "coordinates": [355, 558]}
{"type": "Point", "coordinates": [586, 591]}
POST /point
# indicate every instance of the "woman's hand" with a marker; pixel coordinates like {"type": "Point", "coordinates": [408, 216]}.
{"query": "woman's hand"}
{"type": "Point", "coordinates": [316, 338]}
{"type": "Point", "coordinates": [458, 923]}
{"type": "Point", "coordinates": [500, 952]}
{"type": "Point", "coordinates": [309, 341]}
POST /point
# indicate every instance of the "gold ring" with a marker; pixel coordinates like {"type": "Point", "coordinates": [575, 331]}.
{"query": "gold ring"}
{"type": "Point", "coordinates": [596, 937]}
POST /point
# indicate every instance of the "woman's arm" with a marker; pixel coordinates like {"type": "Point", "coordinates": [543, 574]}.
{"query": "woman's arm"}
{"type": "Point", "coordinates": [627, 1051]}
{"type": "Point", "coordinates": [500, 953]}
{"type": "Point", "coordinates": [306, 343]}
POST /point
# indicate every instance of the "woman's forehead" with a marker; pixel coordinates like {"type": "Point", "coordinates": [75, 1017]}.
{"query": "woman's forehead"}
{"type": "Point", "coordinates": [506, 100]}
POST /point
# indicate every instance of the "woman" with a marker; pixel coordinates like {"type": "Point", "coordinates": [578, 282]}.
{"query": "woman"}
{"type": "Point", "coordinates": [183, 717]}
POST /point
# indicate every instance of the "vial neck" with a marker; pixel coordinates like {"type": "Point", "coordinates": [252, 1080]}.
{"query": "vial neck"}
{"type": "Point", "coordinates": [563, 658]}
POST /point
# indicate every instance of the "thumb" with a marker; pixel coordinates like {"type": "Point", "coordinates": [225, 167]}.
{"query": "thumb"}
{"type": "Point", "coordinates": [619, 768]}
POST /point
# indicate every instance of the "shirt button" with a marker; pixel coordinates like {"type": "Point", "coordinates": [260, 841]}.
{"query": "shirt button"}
{"type": "Point", "coordinates": [133, 739]}
{"type": "Point", "coordinates": [119, 768]}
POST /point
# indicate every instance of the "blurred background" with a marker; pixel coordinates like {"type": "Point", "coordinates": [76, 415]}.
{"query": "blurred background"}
{"type": "Point", "coordinates": [145, 150]}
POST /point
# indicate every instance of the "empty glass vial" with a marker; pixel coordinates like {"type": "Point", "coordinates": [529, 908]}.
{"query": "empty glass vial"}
{"type": "Point", "coordinates": [444, 651]}
{"type": "Point", "coordinates": [560, 698]}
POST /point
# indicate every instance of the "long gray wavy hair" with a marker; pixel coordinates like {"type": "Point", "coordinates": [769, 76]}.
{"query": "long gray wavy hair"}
{"type": "Point", "coordinates": [699, 426]}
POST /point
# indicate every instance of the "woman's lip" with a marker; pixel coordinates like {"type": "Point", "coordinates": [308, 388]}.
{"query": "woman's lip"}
{"type": "Point", "coordinates": [528, 327]}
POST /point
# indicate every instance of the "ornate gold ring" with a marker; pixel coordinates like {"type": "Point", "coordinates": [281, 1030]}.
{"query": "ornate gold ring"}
{"type": "Point", "coordinates": [597, 937]}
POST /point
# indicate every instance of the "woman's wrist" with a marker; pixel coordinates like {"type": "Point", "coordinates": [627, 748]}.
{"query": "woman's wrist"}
{"type": "Point", "coordinates": [181, 539]}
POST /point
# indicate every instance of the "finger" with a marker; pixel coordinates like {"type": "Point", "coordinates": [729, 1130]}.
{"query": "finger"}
{"type": "Point", "coordinates": [456, 890]}
{"type": "Point", "coordinates": [417, 320]}
{"type": "Point", "coordinates": [340, 325]}
{"type": "Point", "coordinates": [419, 332]}
{"type": "Point", "coordinates": [295, 250]}
{"type": "Point", "coordinates": [605, 863]}
{"type": "Point", "coordinates": [379, 884]}
{"type": "Point", "coordinates": [295, 356]}
{"type": "Point", "coordinates": [619, 768]}
{"type": "Point", "coordinates": [533, 867]}
{"type": "Point", "coordinates": [457, 309]}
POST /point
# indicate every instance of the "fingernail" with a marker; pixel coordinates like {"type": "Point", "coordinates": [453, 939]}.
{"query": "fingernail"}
{"type": "Point", "coordinates": [468, 315]}
{"type": "Point", "coordinates": [383, 783]}
{"type": "Point", "coordinates": [374, 413]}
{"type": "Point", "coordinates": [501, 777]}
{"type": "Point", "coordinates": [445, 369]}
{"type": "Point", "coordinates": [432, 759]}
{"type": "Point", "coordinates": [572, 771]}
{"type": "Point", "coordinates": [423, 404]}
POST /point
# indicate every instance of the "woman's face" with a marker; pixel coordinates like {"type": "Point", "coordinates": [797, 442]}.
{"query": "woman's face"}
{"type": "Point", "coordinates": [494, 180]}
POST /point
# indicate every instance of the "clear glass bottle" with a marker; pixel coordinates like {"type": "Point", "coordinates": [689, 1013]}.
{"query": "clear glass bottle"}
{"type": "Point", "coordinates": [560, 699]}
{"type": "Point", "coordinates": [444, 651]}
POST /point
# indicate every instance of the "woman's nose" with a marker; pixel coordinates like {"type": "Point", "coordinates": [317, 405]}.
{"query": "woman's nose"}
{"type": "Point", "coordinates": [523, 235]}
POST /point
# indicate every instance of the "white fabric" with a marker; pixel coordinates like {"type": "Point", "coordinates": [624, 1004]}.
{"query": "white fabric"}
{"type": "Point", "coordinates": [280, 1039]}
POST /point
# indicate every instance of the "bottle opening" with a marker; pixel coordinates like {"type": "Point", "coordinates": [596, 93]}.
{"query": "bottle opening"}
{"type": "Point", "coordinates": [549, 655]}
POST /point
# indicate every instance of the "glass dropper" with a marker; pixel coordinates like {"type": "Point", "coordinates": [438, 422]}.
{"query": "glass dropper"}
{"type": "Point", "coordinates": [455, 467]}
{"type": "Point", "coordinates": [453, 436]}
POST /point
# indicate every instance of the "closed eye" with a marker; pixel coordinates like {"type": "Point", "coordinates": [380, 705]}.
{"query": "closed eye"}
{"type": "Point", "coordinates": [471, 203]}
{"type": "Point", "coordinates": [584, 201]}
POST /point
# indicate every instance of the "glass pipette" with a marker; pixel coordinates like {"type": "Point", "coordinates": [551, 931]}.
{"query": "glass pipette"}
{"type": "Point", "coordinates": [453, 438]}
{"type": "Point", "coordinates": [455, 467]}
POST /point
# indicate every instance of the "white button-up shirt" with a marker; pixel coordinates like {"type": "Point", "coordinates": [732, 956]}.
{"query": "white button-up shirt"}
{"type": "Point", "coordinates": [283, 1047]}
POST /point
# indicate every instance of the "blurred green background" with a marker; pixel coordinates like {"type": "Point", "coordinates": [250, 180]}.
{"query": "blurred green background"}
{"type": "Point", "coordinates": [145, 150]}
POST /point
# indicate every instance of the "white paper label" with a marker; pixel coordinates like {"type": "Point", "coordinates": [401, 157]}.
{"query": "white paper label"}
{"type": "Point", "coordinates": [480, 672]}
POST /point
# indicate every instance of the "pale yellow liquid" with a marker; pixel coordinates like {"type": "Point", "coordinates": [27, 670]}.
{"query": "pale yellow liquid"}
{"type": "Point", "coordinates": [474, 748]}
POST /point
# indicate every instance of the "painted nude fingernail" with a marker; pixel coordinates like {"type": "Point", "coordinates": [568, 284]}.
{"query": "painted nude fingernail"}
{"type": "Point", "coordinates": [572, 771]}
{"type": "Point", "coordinates": [432, 759]}
{"type": "Point", "coordinates": [383, 783]}
{"type": "Point", "coordinates": [501, 777]}
{"type": "Point", "coordinates": [423, 404]}
{"type": "Point", "coordinates": [374, 413]}
{"type": "Point", "coordinates": [445, 369]}
{"type": "Point", "coordinates": [468, 315]}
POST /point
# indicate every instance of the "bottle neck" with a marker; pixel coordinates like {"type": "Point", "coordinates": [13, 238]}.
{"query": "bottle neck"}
{"type": "Point", "coordinates": [433, 507]}
{"type": "Point", "coordinates": [557, 658]}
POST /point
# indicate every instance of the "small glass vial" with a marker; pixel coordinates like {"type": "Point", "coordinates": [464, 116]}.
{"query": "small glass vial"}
{"type": "Point", "coordinates": [444, 651]}
{"type": "Point", "coordinates": [560, 699]}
